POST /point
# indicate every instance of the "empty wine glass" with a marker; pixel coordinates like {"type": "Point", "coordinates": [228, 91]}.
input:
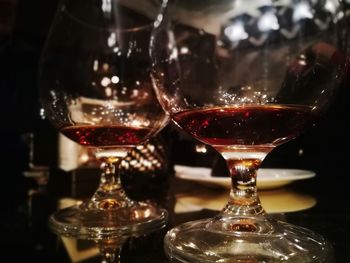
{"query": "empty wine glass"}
{"type": "Point", "coordinates": [245, 77]}
{"type": "Point", "coordinates": [95, 87]}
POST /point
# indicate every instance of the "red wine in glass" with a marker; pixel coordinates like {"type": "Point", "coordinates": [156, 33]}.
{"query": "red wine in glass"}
{"type": "Point", "coordinates": [98, 136]}
{"type": "Point", "coordinates": [246, 125]}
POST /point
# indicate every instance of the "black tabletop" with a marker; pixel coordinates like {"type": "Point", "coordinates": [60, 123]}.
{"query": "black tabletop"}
{"type": "Point", "coordinates": [319, 203]}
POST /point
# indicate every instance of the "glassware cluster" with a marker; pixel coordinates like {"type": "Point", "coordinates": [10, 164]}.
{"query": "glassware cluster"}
{"type": "Point", "coordinates": [245, 77]}
{"type": "Point", "coordinates": [241, 76]}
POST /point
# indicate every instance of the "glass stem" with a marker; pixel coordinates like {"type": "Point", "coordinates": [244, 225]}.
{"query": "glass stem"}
{"type": "Point", "coordinates": [110, 193]}
{"type": "Point", "coordinates": [110, 250]}
{"type": "Point", "coordinates": [243, 165]}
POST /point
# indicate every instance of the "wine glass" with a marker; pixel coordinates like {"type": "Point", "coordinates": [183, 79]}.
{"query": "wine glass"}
{"type": "Point", "coordinates": [245, 77]}
{"type": "Point", "coordinates": [95, 87]}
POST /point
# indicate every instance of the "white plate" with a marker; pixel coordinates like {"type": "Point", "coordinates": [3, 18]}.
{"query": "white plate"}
{"type": "Point", "coordinates": [272, 201]}
{"type": "Point", "coordinates": [267, 178]}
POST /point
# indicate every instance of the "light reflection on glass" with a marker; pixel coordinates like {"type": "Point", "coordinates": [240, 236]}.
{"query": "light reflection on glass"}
{"type": "Point", "coordinates": [112, 40]}
{"type": "Point", "coordinates": [106, 6]}
{"type": "Point", "coordinates": [302, 11]}
{"type": "Point", "coordinates": [108, 91]}
{"type": "Point", "coordinates": [95, 66]}
{"type": "Point", "coordinates": [267, 22]}
{"type": "Point", "coordinates": [115, 79]}
{"type": "Point", "coordinates": [105, 81]}
{"type": "Point", "coordinates": [236, 32]}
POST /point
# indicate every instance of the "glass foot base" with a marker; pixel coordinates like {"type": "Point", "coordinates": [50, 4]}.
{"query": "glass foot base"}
{"type": "Point", "coordinates": [81, 223]}
{"type": "Point", "coordinates": [245, 239]}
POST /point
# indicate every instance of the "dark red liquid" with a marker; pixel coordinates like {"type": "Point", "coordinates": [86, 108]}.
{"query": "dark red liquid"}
{"type": "Point", "coordinates": [245, 125]}
{"type": "Point", "coordinates": [106, 135]}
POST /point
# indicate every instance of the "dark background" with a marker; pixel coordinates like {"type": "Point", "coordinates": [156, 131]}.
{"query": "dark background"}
{"type": "Point", "coordinates": [23, 27]}
{"type": "Point", "coordinates": [22, 34]}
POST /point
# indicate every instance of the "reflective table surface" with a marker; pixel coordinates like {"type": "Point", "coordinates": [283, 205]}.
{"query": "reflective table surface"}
{"type": "Point", "coordinates": [316, 203]}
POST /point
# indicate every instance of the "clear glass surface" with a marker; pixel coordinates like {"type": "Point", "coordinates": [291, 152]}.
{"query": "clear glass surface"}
{"type": "Point", "coordinates": [245, 77]}
{"type": "Point", "coordinates": [95, 87]}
